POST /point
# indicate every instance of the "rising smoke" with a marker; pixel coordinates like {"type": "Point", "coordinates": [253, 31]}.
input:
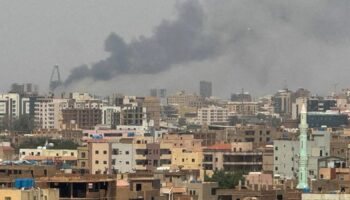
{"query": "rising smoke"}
{"type": "Point", "coordinates": [173, 42]}
{"type": "Point", "coordinates": [254, 44]}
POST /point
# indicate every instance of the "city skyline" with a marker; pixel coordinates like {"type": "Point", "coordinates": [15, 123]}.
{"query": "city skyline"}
{"type": "Point", "coordinates": [260, 52]}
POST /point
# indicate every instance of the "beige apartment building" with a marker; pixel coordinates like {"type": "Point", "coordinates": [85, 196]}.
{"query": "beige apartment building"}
{"type": "Point", "coordinates": [29, 194]}
{"type": "Point", "coordinates": [186, 159]}
{"type": "Point", "coordinates": [100, 157]}
{"type": "Point", "coordinates": [152, 105]}
{"type": "Point", "coordinates": [185, 141]}
{"type": "Point", "coordinates": [242, 108]}
{"type": "Point", "coordinates": [212, 115]}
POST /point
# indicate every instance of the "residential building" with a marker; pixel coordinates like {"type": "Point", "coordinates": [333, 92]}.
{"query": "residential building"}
{"type": "Point", "coordinates": [242, 108]}
{"type": "Point", "coordinates": [286, 154]}
{"type": "Point", "coordinates": [239, 156]}
{"type": "Point", "coordinates": [212, 115]}
{"type": "Point", "coordinates": [83, 161]}
{"type": "Point", "coordinates": [86, 118]}
{"type": "Point", "coordinates": [9, 109]}
{"type": "Point", "coordinates": [28, 194]}
{"type": "Point", "coordinates": [186, 159]}
{"type": "Point", "coordinates": [100, 157]}
{"type": "Point", "coordinates": [111, 116]}
{"type": "Point", "coordinates": [182, 99]}
{"type": "Point", "coordinates": [152, 105]}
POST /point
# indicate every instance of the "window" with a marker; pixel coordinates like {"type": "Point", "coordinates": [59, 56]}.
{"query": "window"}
{"type": "Point", "coordinates": [138, 187]}
{"type": "Point", "coordinates": [7, 198]}
{"type": "Point", "coordinates": [83, 155]}
{"type": "Point", "coordinates": [276, 168]}
{"type": "Point", "coordinates": [193, 160]}
{"type": "Point", "coordinates": [127, 152]}
{"type": "Point", "coordinates": [83, 164]}
{"type": "Point", "coordinates": [96, 152]}
{"type": "Point", "coordinates": [96, 162]}
{"type": "Point", "coordinates": [276, 148]}
{"type": "Point", "coordinates": [104, 152]}
{"type": "Point", "coordinates": [105, 162]}
{"type": "Point", "coordinates": [127, 162]}
{"type": "Point", "coordinates": [72, 153]}
{"type": "Point", "coordinates": [276, 158]}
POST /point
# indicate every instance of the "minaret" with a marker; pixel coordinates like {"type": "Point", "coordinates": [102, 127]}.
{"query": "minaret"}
{"type": "Point", "coordinates": [303, 159]}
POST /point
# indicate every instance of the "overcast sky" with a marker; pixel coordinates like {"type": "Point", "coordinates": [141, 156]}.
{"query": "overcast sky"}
{"type": "Point", "coordinates": [37, 34]}
{"type": "Point", "coordinates": [258, 45]}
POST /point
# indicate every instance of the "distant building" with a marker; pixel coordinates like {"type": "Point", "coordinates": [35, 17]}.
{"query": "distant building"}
{"type": "Point", "coordinates": [25, 90]}
{"type": "Point", "coordinates": [329, 119]}
{"type": "Point", "coordinates": [205, 89]}
{"type": "Point", "coordinates": [160, 93]}
{"type": "Point", "coordinates": [83, 118]}
{"type": "Point", "coordinates": [111, 116]}
{"type": "Point", "coordinates": [212, 115]}
{"type": "Point", "coordinates": [283, 102]}
{"type": "Point", "coordinates": [320, 104]}
{"type": "Point", "coordinates": [245, 97]}
{"type": "Point", "coordinates": [242, 108]}
{"type": "Point", "coordinates": [10, 109]}
{"type": "Point", "coordinates": [152, 106]}
{"type": "Point", "coordinates": [182, 99]}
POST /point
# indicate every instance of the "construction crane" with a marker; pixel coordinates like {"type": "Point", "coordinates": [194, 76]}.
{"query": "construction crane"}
{"type": "Point", "coordinates": [55, 83]}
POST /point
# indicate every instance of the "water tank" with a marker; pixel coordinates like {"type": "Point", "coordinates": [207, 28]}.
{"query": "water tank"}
{"type": "Point", "coordinates": [25, 183]}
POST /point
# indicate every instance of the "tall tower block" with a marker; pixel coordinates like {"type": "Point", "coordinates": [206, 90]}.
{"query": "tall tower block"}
{"type": "Point", "coordinates": [303, 160]}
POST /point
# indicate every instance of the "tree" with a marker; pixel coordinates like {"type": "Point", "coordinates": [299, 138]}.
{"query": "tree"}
{"type": "Point", "coordinates": [58, 143]}
{"type": "Point", "coordinates": [226, 180]}
{"type": "Point", "coordinates": [24, 124]}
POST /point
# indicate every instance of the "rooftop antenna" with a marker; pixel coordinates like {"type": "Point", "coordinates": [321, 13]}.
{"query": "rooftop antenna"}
{"type": "Point", "coordinates": [55, 83]}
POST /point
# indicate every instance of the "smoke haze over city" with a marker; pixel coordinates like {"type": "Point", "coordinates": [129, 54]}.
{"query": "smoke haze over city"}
{"type": "Point", "coordinates": [258, 45]}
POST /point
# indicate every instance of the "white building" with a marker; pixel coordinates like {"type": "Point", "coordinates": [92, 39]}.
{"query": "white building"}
{"type": "Point", "coordinates": [110, 115]}
{"type": "Point", "coordinates": [286, 155]}
{"type": "Point", "coordinates": [48, 112]}
{"type": "Point", "coordinates": [123, 157]}
{"type": "Point", "coordinates": [212, 114]}
{"type": "Point", "coordinates": [9, 107]}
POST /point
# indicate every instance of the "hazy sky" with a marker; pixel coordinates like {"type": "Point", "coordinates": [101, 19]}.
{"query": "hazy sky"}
{"type": "Point", "coordinates": [258, 45]}
{"type": "Point", "coordinates": [37, 34]}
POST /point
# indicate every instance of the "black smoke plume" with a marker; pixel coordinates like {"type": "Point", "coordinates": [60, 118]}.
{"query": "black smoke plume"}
{"type": "Point", "coordinates": [173, 42]}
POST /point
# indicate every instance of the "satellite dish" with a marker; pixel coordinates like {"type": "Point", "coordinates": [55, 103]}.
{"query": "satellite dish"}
{"type": "Point", "coordinates": [50, 145]}
{"type": "Point", "coordinates": [39, 147]}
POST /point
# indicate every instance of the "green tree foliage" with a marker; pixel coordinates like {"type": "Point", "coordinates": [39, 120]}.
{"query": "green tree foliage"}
{"type": "Point", "coordinates": [58, 144]}
{"type": "Point", "coordinates": [24, 124]}
{"type": "Point", "coordinates": [226, 180]}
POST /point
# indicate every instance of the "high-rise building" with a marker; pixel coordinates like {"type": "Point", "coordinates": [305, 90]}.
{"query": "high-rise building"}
{"type": "Point", "coordinates": [205, 89]}
{"type": "Point", "coordinates": [283, 102]}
